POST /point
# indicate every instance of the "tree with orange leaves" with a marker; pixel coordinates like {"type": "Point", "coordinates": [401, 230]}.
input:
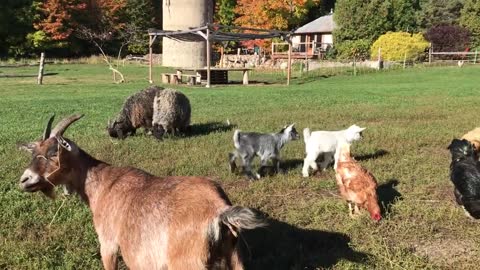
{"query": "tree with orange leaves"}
{"type": "Point", "coordinates": [272, 14]}
{"type": "Point", "coordinates": [56, 18]}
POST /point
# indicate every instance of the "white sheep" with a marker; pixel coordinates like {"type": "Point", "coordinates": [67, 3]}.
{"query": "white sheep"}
{"type": "Point", "coordinates": [171, 113]}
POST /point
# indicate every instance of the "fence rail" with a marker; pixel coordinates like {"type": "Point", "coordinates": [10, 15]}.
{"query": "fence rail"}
{"type": "Point", "coordinates": [454, 53]}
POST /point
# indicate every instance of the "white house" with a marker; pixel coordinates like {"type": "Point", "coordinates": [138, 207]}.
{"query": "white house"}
{"type": "Point", "coordinates": [314, 36]}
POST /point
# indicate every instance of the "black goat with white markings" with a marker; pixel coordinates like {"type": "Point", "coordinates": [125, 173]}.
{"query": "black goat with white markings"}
{"type": "Point", "coordinates": [465, 175]}
{"type": "Point", "coordinates": [266, 146]}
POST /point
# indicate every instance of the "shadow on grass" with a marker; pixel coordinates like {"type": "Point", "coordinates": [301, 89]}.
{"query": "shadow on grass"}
{"type": "Point", "coordinates": [388, 195]}
{"type": "Point", "coordinates": [26, 75]}
{"type": "Point", "coordinates": [291, 164]}
{"type": "Point", "coordinates": [309, 79]}
{"type": "Point", "coordinates": [283, 246]}
{"type": "Point", "coordinates": [251, 82]}
{"type": "Point", "coordinates": [285, 167]}
{"type": "Point", "coordinates": [207, 128]}
{"type": "Point", "coordinates": [376, 154]}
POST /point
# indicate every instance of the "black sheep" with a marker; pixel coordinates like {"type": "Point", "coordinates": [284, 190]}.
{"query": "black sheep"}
{"type": "Point", "coordinates": [137, 111]}
{"type": "Point", "coordinates": [465, 175]}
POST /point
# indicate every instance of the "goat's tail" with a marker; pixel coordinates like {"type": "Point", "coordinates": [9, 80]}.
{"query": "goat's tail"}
{"type": "Point", "coordinates": [224, 231]}
{"type": "Point", "coordinates": [306, 134]}
{"type": "Point", "coordinates": [238, 218]}
{"type": "Point", "coordinates": [236, 138]}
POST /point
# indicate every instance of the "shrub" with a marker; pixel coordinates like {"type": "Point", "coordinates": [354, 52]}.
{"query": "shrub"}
{"type": "Point", "coordinates": [349, 49]}
{"type": "Point", "coordinates": [448, 38]}
{"type": "Point", "coordinates": [394, 46]}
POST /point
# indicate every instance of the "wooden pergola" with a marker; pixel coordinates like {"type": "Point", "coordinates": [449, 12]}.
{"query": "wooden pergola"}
{"type": "Point", "coordinates": [216, 32]}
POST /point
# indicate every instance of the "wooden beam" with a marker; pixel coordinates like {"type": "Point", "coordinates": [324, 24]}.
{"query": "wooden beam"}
{"type": "Point", "coordinates": [208, 57]}
{"type": "Point", "coordinates": [150, 59]}
{"type": "Point", "coordinates": [289, 66]}
{"type": "Point", "coordinates": [200, 33]}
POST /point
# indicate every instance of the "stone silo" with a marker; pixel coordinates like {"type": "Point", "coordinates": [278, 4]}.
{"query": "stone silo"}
{"type": "Point", "coordinates": [181, 15]}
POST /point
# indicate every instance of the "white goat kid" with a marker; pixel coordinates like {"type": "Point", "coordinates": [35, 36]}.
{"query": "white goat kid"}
{"type": "Point", "coordinates": [325, 143]}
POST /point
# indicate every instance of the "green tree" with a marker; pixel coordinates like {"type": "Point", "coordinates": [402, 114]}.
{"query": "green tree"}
{"type": "Point", "coordinates": [15, 24]}
{"type": "Point", "coordinates": [225, 15]}
{"type": "Point", "coordinates": [140, 16]}
{"type": "Point", "coordinates": [404, 14]}
{"type": "Point", "coordinates": [225, 12]}
{"type": "Point", "coordinates": [359, 23]}
{"type": "Point", "coordinates": [470, 19]}
{"type": "Point", "coordinates": [360, 19]}
{"type": "Point", "coordinates": [437, 12]}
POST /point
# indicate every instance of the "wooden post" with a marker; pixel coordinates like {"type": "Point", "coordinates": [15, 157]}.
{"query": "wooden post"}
{"type": "Point", "coordinates": [289, 65]}
{"type": "Point", "coordinates": [179, 75]}
{"type": "Point", "coordinates": [40, 68]}
{"type": "Point", "coordinates": [404, 60]}
{"type": "Point", "coordinates": [165, 78]}
{"type": "Point", "coordinates": [307, 45]}
{"type": "Point", "coordinates": [221, 56]}
{"type": "Point", "coordinates": [208, 57]}
{"type": "Point", "coordinates": [354, 65]}
{"type": "Point", "coordinates": [273, 48]}
{"type": "Point", "coordinates": [174, 79]}
{"type": "Point", "coordinates": [379, 58]}
{"type": "Point", "coordinates": [475, 59]}
{"type": "Point", "coordinates": [150, 59]}
{"type": "Point", "coordinates": [430, 51]}
{"type": "Point", "coordinates": [245, 76]}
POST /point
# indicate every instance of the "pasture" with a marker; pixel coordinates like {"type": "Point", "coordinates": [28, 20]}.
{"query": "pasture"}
{"type": "Point", "coordinates": [411, 116]}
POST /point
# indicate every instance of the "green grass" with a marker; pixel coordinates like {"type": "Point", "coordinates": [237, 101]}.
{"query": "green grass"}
{"type": "Point", "coordinates": [411, 117]}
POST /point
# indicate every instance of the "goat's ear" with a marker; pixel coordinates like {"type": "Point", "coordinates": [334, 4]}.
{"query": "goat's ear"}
{"type": "Point", "coordinates": [27, 146]}
{"type": "Point", "coordinates": [289, 127]}
{"type": "Point", "coordinates": [63, 143]}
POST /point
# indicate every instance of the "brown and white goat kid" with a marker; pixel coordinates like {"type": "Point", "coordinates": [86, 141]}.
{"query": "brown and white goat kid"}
{"type": "Point", "coordinates": [156, 222]}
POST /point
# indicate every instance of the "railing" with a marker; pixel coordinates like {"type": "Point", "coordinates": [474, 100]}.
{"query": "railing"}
{"type": "Point", "coordinates": [301, 49]}
{"type": "Point", "coordinates": [464, 56]}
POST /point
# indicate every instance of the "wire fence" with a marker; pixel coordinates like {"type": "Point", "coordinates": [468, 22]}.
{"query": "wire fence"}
{"type": "Point", "coordinates": [274, 72]}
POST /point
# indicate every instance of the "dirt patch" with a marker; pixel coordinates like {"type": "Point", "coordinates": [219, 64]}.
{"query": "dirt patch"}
{"type": "Point", "coordinates": [446, 251]}
{"type": "Point", "coordinates": [441, 192]}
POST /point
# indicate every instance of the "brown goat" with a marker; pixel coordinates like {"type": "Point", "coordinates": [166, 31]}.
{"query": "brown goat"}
{"type": "Point", "coordinates": [473, 136]}
{"type": "Point", "coordinates": [157, 223]}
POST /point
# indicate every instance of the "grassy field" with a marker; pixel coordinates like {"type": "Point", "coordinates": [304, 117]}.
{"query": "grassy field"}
{"type": "Point", "coordinates": [411, 117]}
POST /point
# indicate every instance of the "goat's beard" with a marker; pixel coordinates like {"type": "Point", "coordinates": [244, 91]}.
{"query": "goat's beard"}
{"type": "Point", "coordinates": [49, 192]}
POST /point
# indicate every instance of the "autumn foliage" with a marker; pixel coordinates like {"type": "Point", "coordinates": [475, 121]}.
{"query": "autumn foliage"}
{"type": "Point", "coordinates": [271, 14]}
{"type": "Point", "coordinates": [57, 20]}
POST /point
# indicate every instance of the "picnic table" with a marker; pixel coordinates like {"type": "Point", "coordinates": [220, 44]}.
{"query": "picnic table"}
{"type": "Point", "coordinates": [217, 75]}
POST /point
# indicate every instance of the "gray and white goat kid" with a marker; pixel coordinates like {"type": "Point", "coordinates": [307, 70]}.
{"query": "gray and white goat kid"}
{"type": "Point", "coordinates": [266, 146]}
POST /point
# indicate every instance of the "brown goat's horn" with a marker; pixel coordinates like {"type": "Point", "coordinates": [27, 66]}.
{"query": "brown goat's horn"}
{"type": "Point", "coordinates": [63, 125]}
{"type": "Point", "coordinates": [48, 128]}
